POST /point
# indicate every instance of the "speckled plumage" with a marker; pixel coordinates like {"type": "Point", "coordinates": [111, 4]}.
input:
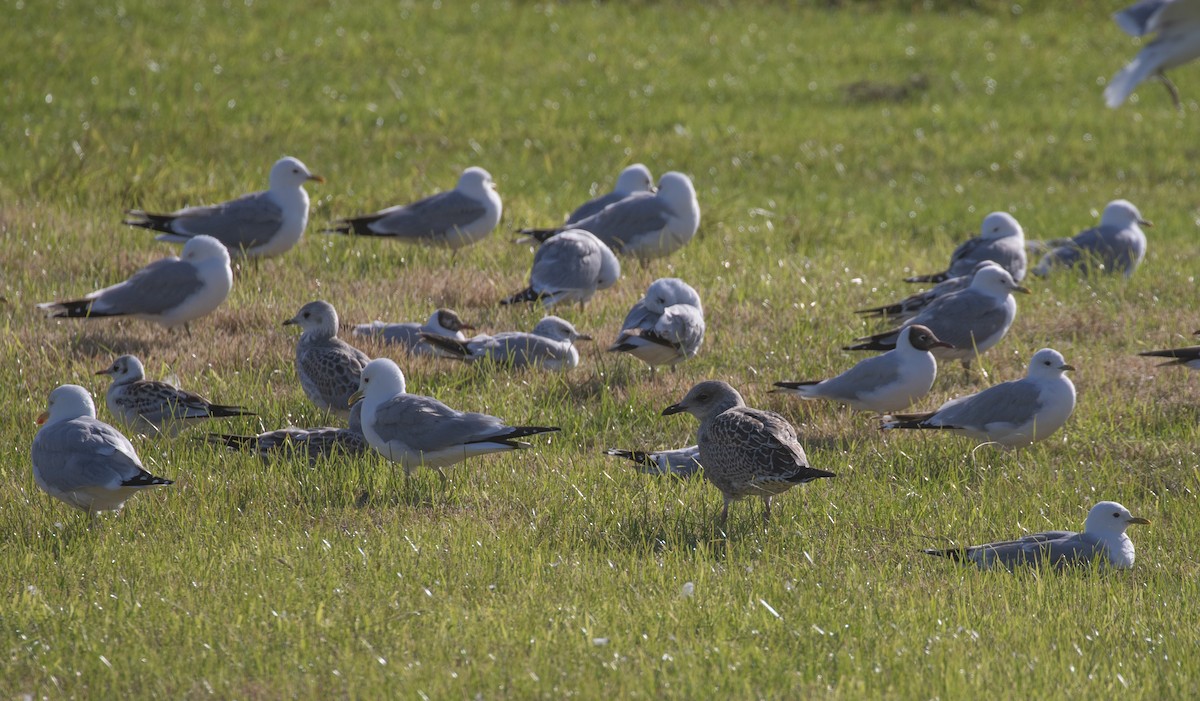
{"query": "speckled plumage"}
{"type": "Point", "coordinates": [314, 443]}
{"type": "Point", "coordinates": [328, 367]}
{"type": "Point", "coordinates": [745, 451]}
{"type": "Point", "coordinates": [152, 407]}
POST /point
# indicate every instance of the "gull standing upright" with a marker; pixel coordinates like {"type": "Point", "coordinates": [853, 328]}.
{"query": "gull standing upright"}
{"type": "Point", "coordinates": [665, 327]}
{"type": "Point", "coordinates": [267, 223]}
{"type": "Point", "coordinates": [170, 291]}
{"type": "Point", "coordinates": [328, 367]}
{"type": "Point", "coordinates": [745, 452]}
{"type": "Point", "coordinates": [971, 321]}
{"type": "Point", "coordinates": [644, 225]}
{"type": "Point", "coordinates": [1178, 25]}
{"type": "Point", "coordinates": [407, 335]}
{"type": "Point", "coordinates": [881, 383]}
{"type": "Point", "coordinates": [1188, 357]}
{"type": "Point", "coordinates": [551, 346]}
{"type": "Point", "coordinates": [84, 462]}
{"type": "Point", "coordinates": [571, 266]}
{"type": "Point", "coordinates": [1012, 414]}
{"type": "Point", "coordinates": [1118, 244]}
{"type": "Point", "coordinates": [915, 303]}
{"type": "Point", "coordinates": [1103, 538]}
{"type": "Point", "coordinates": [1000, 239]}
{"type": "Point", "coordinates": [413, 430]}
{"type": "Point", "coordinates": [151, 407]}
{"type": "Point", "coordinates": [451, 219]}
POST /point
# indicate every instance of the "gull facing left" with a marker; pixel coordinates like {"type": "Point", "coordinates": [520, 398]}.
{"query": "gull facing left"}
{"type": "Point", "coordinates": [151, 407]}
{"type": "Point", "coordinates": [328, 367]}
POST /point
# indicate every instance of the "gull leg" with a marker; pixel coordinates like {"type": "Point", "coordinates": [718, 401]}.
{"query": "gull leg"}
{"type": "Point", "coordinates": [445, 480]}
{"type": "Point", "coordinates": [766, 510]}
{"type": "Point", "coordinates": [1171, 89]}
{"type": "Point", "coordinates": [725, 513]}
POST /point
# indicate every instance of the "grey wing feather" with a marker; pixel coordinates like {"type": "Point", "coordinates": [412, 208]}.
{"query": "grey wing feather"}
{"type": "Point", "coordinates": [426, 424]}
{"type": "Point", "coordinates": [639, 317]}
{"type": "Point", "coordinates": [1011, 403]}
{"type": "Point", "coordinates": [566, 265]}
{"type": "Point", "coordinates": [627, 219]}
{"type": "Point", "coordinates": [156, 288]}
{"type": "Point", "coordinates": [593, 206]}
{"type": "Point", "coordinates": [1056, 547]}
{"type": "Point", "coordinates": [84, 453]}
{"type": "Point", "coordinates": [866, 376]}
{"type": "Point", "coordinates": [432, 216]}
{"type": "Point", "coordinates": [243, 223]}
{"type": "Point", "coordinates": [953, 317]}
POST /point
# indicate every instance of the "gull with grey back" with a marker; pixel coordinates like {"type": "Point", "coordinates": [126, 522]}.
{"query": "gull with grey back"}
{"type": "Point", "coordinates": [1117, 245]}
{"type": "Point", "coordinates": [407, 335]}
{"type": "Point", "coordinates": [1001, 239]}
{"type": "Point", "coordinates": [316, 444]}
{"type": "Point", "coordinates": [569, 267]}
{"type": "Point", "coordinates": [551, 346]}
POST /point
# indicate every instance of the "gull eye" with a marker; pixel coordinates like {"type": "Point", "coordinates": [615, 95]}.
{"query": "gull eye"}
{"type": "Point", "coordinates": [1116, 514]}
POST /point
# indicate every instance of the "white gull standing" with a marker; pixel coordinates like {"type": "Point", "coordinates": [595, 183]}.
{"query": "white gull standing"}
{"type": "Point", "coordinates": [170, 291]}
{"type": "Point", "coordinates": [1000, 239]}
{"type": "Point", "coordinates": [266, 223]}
{"type": "Point", "coordinates": [915, 303]}
{"type": "Point", "coordinates": [1178, 25]}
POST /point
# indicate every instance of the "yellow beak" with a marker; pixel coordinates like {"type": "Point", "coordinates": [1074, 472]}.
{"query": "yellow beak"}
{"type": "Point", "coordinates": [358, 394]}
{"type": "Point", "coordinates": [1023, 289]}
{"type": "Point", "coordinates": [1140, 521]}
{"type": "Point", "coordinates": [318, 178]}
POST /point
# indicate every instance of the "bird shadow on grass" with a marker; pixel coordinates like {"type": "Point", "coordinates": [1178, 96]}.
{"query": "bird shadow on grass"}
{"type": "Point", "coordinates": [108, 343]}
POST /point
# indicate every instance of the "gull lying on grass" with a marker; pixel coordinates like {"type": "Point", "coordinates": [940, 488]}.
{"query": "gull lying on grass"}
{"type": "Point", "coordinates": [451, 219]}
{"type": "Point", "coordinates": [316, 444]}
{"type": "Point", "coordinates": [1118, 244]}
{"type": "Point", "coordinates": [683, 463]}
{"type": "Point", "coordinates": [745, 452]}
{"type": "Point", "coordinates": [1103, 538]}
{"type": "Point", "coordinates": [1011, 414]}
{"type": "Point", "coordinates": [633, 180]}
{"type": "Point", "coordinates": [881, 383]}
{"type": "Point", "coordinates": [1188, 357]}
{"type": "Point", "coordinates": [407, 335]}
{"type": "Point", "coordinates": [413, 430]}
{"type": "Point", "coordinates": [916, 303]}
{"type": "Point", "coordinates": [171, 291]}
{"type": "Point", "coordinates": [83, 462]}
{"type": "Point", "coordinates": [267, 223]}
{"type": "Point", "coordinates": [328, 367]}
{"type": "Point", "coordinates": [151, 407]}
{"type": "Point", "coordinates": [1178, 25]}
{"type": "Point", "coordinates": [665, 327]}
{"type": "Point", "coordinates": [551, 345]}
{"type": "Point", "coordinates": [971, 321]}
{"type": "Point", "coordinates": [1001, 239]}
{"type": "Point", "coordinates": [643, 225]}
{"type": "Point", "coordinates": [571, 266]}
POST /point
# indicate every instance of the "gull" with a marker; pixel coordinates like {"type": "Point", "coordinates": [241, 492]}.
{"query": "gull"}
{"type": "Point", "coordinates": [84, 462]}
{"type": "Point", "coordinates": [644, 225]}
{"type": "Point", "coordinates": [413, 430]}
{"type": "Point", "coordinates": [443, 322]}
{"type": "Point", "coordinates": [633, 180]}
{"type": "Point", "coordinates": [328, 367]}
{"type": "Point", "coordinates": [1103, 538]}
{"type": "Point", "coordinates": [1178, 25]}
{"type": "Point", "coordinates": [745, 452]}
{"type": "Point", "coordinates": [451, 219]}
{"type": "Point", "coordinates": [881, 383]}
{"type": "Point", "coordinates": [1012, 414]}
{"type": "Point", "coordinates": [551, 345]}
{"type": "Point", "coordinates": [971, 321]}
{"type": "Point", "coordinates": [151, 407]}
{"type": "Point", "coordinates": [1117, 244]}
{"type": "Point", "coordinates": [171, 291]}
{"type": "Point", "coordinates": [267, 223]}
{"type": "Point", "coordinates": [315, 443]}
{"type": "Point", "coordinates": [1188, 357]}
{"type": "Point", "coordinates": [1000, 239]}
{"type": "Point", "coordinates": [683, 463]}
{"type": "Point", "coordinates": [914, 304]}
{"type": "Point", "coordinates": [571, 266]}
{"type": "Point", "coordinates": [665, 327]}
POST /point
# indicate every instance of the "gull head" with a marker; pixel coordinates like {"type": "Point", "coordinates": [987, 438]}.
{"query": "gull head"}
{"type": "Point", "coordinates": [1122, 214]}
{"type": "Point", "coordinates": [1108, 518]}
{"type": "Point", "coordinates": [921, 338]}
{"type": "Point", "coordinates": [316, 319]}
{"type": "Point", "coordinates": [677, 190]}
{"type": "Point", "coordinates": [449, 320]}
{"type": "Point", "coordinates": [635, 178]}
{"type": "Point", "coordinates": [289, 173]}
{"type": "Point", "coordinates": [125, 369]}
{"type": "Point", "coordinates": [998, 225]}
{"type": "Point", "coordinates": [558, 329]}
{"type": "Point", "coordinates": [996, 281]}
{"type": "Point", "coordinates": [667, 291]}
{"type": "Point", "coordinates": [707, 400]}
{"type": "Point", "coordinates": [199, 249]}
{"type": "Point", "coordinates": [1048, 362]}
{"type": "Point", "coordinates": [380, 380]}
{"type": "Point", "coordinates": [67, 402]}
{"type": "Point", "coordinates": [476, 182]}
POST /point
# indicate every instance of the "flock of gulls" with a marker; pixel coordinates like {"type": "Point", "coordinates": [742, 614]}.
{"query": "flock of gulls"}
{"type": "Point", "coordinates": [742, 451]}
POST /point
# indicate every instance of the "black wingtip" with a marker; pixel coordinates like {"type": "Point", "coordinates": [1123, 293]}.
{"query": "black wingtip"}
{"type": "Point", "coordinates": [75, 309]}
{"type": "Point", "coordinates": [797, 385]}
{"type": "Point", "coordinates": [541, 235]}
{"type": "Point", "coordinates": [956, 554]}
{"type": "Point", "coordinates": [450, 345]}
{"type": "Point", "coordinates": [231, 440]}
{"type": "Point", "coordinates": [146, 480]}
{"type": "Point", "coordinates": [525, 295]}
{"type": "Point", "coordinates": [931, 277]}
{"type": "Point", "coordinates": [637, 456]}
{"type": "Point", "coordinates": [870, 346]}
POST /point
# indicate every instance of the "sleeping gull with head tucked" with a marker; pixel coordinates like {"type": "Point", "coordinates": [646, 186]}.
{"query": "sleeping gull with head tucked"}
{"type": "Point", "coordinates": [171, 291]}
{"type": "Point", "coordinates": [1001, 239]}
{"type": "Point", "coordinates": [413, 430]}
{"type": "Point", "coordinates": [1103, 538]}
{"type": "Point", "coordinates": [745, 452]}
{"type": "Point", "coordinates": [151, 407]}
{"type": "Point", "coordinates": [84, 462]}
{"type": "Point", "coordinates": [633, 180]}
{"type": "Point", "coordinates": [1012, 414]}
{"type": "Point", "coordinates": [264, 223]}
{"type": "Point", "coordinates": [451, 219]}
{"type": "Point", "coordinates": [551, 345]}
{"type": "Point", "coordinates": [664, 327]}
{"type": "Point", "coordinates": [569, 267]}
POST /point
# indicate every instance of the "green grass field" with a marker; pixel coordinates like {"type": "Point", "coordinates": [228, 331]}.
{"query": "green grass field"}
{"type": "Point", "coordinates": [559, 571]}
